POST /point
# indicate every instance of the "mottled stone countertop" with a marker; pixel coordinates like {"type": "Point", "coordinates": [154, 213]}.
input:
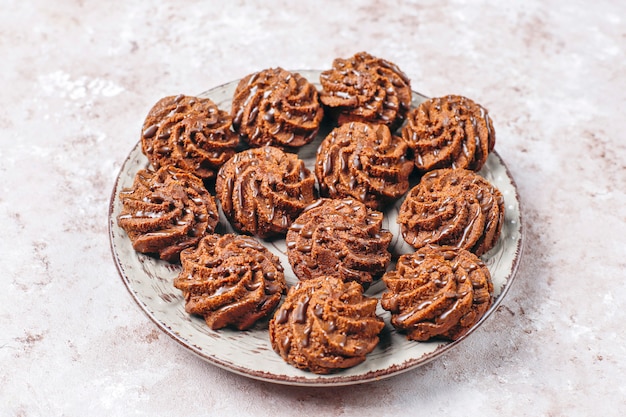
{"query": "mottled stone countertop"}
{"type": "Point", "coordinates": [77, 80]}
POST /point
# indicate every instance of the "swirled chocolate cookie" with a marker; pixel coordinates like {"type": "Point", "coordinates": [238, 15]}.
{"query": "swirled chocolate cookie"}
{"type": "Point", "coordinates": [449, 132]}
{"type": "Point", "coordinates": [341, 238]}
{"type": "Point", "coordinates": [230, 280]}
{"type": "Point", "coordinates": [453, 207]}
{"type": "Point", "coordinates": [276, 107]}
{"type": "Point", "coordinates": [166, 211]}
{"type": "Point", "coordinates": [262, 190]}
{"type": "Point", "coordinates": [325, 325]}
{"type": "Point", "coordinates": [437, 292]}
{"type": "Point", "coordinates": [366, 89]}
{"type": "Point", "coordinates": [190, 133]}
{"type": "Point", "coordinates": [363, 161]}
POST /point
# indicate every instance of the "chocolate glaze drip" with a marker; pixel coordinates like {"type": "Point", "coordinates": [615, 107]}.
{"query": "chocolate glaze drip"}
{"type": "Point", "coordinates": [454, 207]}
{"type": "Point", "coordinates": [230, 280]}
{"type": "Point", "coordinates": [449, 132]}
{"type": "Point", "coordinates": [166, 211]}
{"type": "Point", "coordinates": [325, 325]}
{"type": "Point", "coordinates": [367, 89]}
{"type": "Point", "coordinates": [263, 190]}
{"type": "Point", "coordinates": [341, 238]}
{"type": "Point", "coordinates": [363, 161]}
{"type": "Point", "coordinates": [190, 133]}
{"type": "Point", "coordinates": [276, 107]}
{"type": "Point", "coordinates": [437, 292]}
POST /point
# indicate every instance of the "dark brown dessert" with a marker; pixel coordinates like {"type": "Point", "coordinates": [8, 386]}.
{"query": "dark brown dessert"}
{"type": "Point", "coordinates": [366, 89]}
{"type": "Point", "coordinates": [190, 133]}
{"type": "Point", "coordinates": [276, 107]}
{"type": "Point", "coordinates": [437, 292]}
{"type": "Point", "coordinates": [341, 238]}
{"type": "Point", "coordinates": [263, 190]}
{"type": "Point", "coordinates": [166, 211]}
{"type": "Point", "coordinates": [449, 132]}
{"type": "Point", "coordinates": [325, 325]}
{"type": "Point", "coordinates": [453, 207]}
{"type": "Point", "coordinates": [363, 161]}
{"type": "Point", "coordinates": [230, 280]}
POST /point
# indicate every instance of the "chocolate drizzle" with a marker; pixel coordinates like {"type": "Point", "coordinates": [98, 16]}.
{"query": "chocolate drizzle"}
{"type": "Point", "coordinates": [437, 292]}
{"type": "Point", "coordinates": [449, 132]}
{"type": "Point", "coordinates": [365, 162]}
{"type": "Point", "coordinates": [367, 89]}
{"type": "Point", "coordinates": [276, 107]}
{"type": "Point", "coordinates": [453, 207]}
{"type": "Point", "coordinates": [341, 238]}
{"type": "Point", "coordinates": [325, 325]}
{"type": "Point", "coordinates": [230, 280]}
{"type": "Point", "coordinates": [190, 133]}
{"type": "Point", "coordinates": [166, 211]}
{"type": "Point", "coordinates": [263, 190]}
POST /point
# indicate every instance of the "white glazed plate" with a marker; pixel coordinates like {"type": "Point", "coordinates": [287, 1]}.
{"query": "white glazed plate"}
{"type": "Point", "coordinates": [249, 353]}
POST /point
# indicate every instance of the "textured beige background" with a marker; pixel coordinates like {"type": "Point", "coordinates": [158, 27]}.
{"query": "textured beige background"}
{"type": "Point", "coordinates": [77, 80]}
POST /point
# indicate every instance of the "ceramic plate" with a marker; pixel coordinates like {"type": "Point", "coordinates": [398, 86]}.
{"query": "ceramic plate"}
{"type": "Point", "coordinates": [249, 353]}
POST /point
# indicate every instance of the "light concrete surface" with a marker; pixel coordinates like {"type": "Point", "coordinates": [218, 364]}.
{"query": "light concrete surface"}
{"type": "Point", "coordinates": [78, 77]}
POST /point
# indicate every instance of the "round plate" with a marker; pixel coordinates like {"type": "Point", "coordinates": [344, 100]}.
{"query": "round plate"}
{"type": "Point", "coordinates": [249, 353]}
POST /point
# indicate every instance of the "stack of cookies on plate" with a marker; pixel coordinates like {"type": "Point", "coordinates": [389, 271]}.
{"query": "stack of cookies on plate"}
{"type": "Point", "coordinates": [245, 162]}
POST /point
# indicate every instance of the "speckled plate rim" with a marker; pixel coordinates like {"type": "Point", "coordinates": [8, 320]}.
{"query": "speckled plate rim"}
{"type": "Point", "coordinates": [288, 375]}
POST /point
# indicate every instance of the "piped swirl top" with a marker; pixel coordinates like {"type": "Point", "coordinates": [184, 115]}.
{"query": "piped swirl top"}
{"type": "Point", "coordinates": [342, 238]}
{"type": "Point", "coordinates": [262, 190]}
{"type": "Point", "coordinates": [190, 133]}
{"type": "Point", "coordinates": [367, 89]}
{"type": "Point", "coordinates": [276, 107]}
{"type": "Point", "coordinates": [166, 211]}
{"type": "Point", "coordinates": [230, 280]}
{"type": "Point", "coordinates": [437, 292]}
{"type": "Point", "coordinates": [363, 161]}
{"type": "Point", "coordinates": [449, 132]}
{"type": "Point", "coordinates": [325, 325]}
{"type": "Point", "coordinates": [453, 207]}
